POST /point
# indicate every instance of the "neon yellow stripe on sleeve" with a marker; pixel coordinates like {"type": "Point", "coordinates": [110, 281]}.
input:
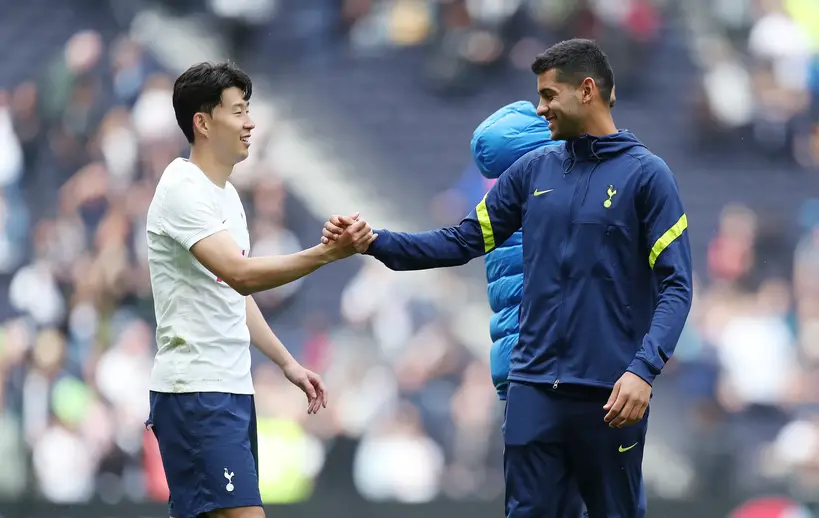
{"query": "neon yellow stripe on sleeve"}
{"type": "Point", "coordinates": [666, 239]}
{"type": "Point", "coordinates": [486, 226]}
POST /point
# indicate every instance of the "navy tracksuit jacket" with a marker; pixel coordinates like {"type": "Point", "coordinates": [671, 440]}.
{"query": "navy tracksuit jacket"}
{"type": "Point", "coordinates": [606, 259]}
{"type": "Point", "coordinates": [607, 289]}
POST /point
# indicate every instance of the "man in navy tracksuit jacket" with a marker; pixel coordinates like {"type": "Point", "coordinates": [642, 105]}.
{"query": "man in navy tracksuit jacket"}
{"type": "Point", "coordinates": [607, 289]}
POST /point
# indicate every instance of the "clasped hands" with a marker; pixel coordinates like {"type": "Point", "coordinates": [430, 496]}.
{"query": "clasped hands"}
{"type": "Point", "coordinates": [347, 235]}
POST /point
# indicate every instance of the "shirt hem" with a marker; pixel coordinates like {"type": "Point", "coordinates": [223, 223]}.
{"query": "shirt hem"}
{"type": "Point", "coordinates": [192, 387]}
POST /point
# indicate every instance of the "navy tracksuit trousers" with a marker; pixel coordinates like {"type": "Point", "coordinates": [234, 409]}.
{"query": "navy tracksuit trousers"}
{"type": "Point", "coordinates": [556, 438]}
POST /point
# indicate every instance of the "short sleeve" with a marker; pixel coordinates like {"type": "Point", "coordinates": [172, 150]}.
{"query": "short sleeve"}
{"type": "Point", "coordinates": [189, 214]}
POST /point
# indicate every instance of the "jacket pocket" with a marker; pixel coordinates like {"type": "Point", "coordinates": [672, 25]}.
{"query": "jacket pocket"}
{"type": "Point", "coordinates": [592, 254]}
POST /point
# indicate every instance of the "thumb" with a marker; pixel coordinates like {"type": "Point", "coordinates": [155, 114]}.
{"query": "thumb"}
{"type": "Point", "coordinates": [613, 397]}
{"type": "Point", "coordinates": [346, 220]}
{"type": "Point", "coordinates": [354, 215]}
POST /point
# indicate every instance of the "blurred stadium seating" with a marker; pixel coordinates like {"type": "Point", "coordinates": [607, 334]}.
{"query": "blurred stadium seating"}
{"type": "Point", "coordinates": [389, 91]}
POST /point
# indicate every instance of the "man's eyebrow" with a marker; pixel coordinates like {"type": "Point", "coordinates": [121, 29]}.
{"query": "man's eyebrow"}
{"type": "Point", "coordinates": [547, 90]}
{"type": "Point", "coordinates": [241, 104]}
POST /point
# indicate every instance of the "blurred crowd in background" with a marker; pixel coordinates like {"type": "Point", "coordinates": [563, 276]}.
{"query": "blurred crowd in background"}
{"type": "Point", "coordinates": [761, 73]}
{"type": "Point", "coordinates": [86, 128]}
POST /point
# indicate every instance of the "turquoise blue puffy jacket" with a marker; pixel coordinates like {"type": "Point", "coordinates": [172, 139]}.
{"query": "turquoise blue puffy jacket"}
{"type": "Point", "coordinates": [497, 143]}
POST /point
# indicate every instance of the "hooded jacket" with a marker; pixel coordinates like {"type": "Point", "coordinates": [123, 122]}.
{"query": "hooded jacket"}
{"type": "Point", "coordinates": [607, 280]}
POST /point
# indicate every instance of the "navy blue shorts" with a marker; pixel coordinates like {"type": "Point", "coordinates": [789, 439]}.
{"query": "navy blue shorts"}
{"type": "Point", "coordinates": [557, 443]}
{"type": "Point", "coordinates": [208, 445]}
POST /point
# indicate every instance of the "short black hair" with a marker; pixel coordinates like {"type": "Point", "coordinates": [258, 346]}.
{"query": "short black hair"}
{"type": "Point", "coordinates": [576, 60]}
{"type": "Point", "coordinates": [200, 87]}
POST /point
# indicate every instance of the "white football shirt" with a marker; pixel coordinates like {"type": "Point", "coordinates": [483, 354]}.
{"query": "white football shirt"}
{"type": "Point", "coordinates": [202, 336]}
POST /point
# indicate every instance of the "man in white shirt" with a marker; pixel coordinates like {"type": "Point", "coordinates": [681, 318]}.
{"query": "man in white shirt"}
{"type": "Point", "coordinates": [202, 408]}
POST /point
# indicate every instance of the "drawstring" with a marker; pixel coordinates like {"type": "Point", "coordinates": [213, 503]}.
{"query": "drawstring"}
{"type": "Point", "coordinates": [594, 151]}
{"type": "Point", "coordinates": [568, 165]}
{"type": "Point", "coordinates": [568, 162]}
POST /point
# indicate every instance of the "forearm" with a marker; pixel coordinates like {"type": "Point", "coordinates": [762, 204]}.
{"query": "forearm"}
{"type": "Point", "coordinates": [264, 338]}
{"type": "Point", "coordinates": [264, 273]}
{"type": "Point", "coordinates": [442, 248]}
{"type": "Point", "coordinates": [670, 314]}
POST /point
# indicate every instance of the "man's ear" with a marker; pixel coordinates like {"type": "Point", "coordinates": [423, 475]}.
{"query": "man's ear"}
{"type": "Point", "coordinates": [588, 89]}
{"type": "Point", "coordinates": [201, 123]}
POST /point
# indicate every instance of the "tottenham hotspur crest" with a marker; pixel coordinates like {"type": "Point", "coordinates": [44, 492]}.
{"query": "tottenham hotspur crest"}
{"type": "Point", "coordinates": [611, 192]}
{"type": "Point", "coordinates": [229, 477]}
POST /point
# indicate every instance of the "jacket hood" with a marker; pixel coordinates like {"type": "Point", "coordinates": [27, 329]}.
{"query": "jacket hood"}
{"type": "Point", "coordinates": [587, 147]}
{"type": "Point", "coordinates": [506, 135]}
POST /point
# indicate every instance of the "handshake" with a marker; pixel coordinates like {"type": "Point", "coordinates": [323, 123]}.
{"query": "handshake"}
{"type": "Point", "coordinates": [346, 235]}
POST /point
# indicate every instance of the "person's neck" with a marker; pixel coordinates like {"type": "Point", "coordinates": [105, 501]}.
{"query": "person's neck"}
{"type": "Point", "coordinates": [216, 172]}
{"type": "Point", "coordinates": [600, 124]}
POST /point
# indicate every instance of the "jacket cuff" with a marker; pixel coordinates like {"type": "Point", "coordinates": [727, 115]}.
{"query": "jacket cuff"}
{"type": "Point", "coordinates": [643, 369]}
{"type": "Point", "coordinates": [377, 245]}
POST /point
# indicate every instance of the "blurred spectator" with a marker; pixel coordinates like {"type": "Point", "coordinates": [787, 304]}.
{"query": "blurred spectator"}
{"type": "Point", "coordinates": [398, 441]}
{"type": "Point", "coordinates": [767, 54]}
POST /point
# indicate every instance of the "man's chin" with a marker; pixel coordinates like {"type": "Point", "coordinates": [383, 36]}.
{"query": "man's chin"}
{"type": "Point", "coordinates": [557, 135]}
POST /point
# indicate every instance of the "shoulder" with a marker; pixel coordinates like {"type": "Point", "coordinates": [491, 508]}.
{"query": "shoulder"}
{"type": "Point", "coordinates": [182, 183]}
{"type": "Point", "coordinates": [555, 149]}
{"type": "Point", "coordinates": [181, 175]}
{"type": "Point", "coordinates": [650, 164]}
{"type": "Point", "coordinates": [184, 191]}
{"type": "Point", "coordinates": [539, 156]}
{"type": "Point", "coordinates": [653, 172]}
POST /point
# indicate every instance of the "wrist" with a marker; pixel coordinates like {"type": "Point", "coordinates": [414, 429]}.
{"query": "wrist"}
{"type": "Point", "coordinates": [323, 254]}
{"type": "Point", "coordinates": [287, 363]}
{"type": "Point", "coordinates": [642, 369]}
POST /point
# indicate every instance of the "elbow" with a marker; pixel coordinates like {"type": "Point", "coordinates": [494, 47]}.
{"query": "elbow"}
{"type": "Point", "coordinates": [688, 290]}
{"type": "Point", "coordinates": [243, 289]}
{"type": "Point", "coordinates": [678, 290]}
{"type": "Point", "coordinates": [684, 294]}
{"type": "Point", "coordinates": [240, 280]}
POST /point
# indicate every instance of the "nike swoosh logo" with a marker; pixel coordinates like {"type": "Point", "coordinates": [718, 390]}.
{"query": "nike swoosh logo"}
{"type": "Point", "coordinates": [538, 193]}
{"type": "Point", "coordinates": [621, 449]}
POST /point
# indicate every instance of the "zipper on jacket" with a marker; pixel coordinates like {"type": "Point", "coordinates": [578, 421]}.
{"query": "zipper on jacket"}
{"type": "Point", "coordinates": [562, 332]}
